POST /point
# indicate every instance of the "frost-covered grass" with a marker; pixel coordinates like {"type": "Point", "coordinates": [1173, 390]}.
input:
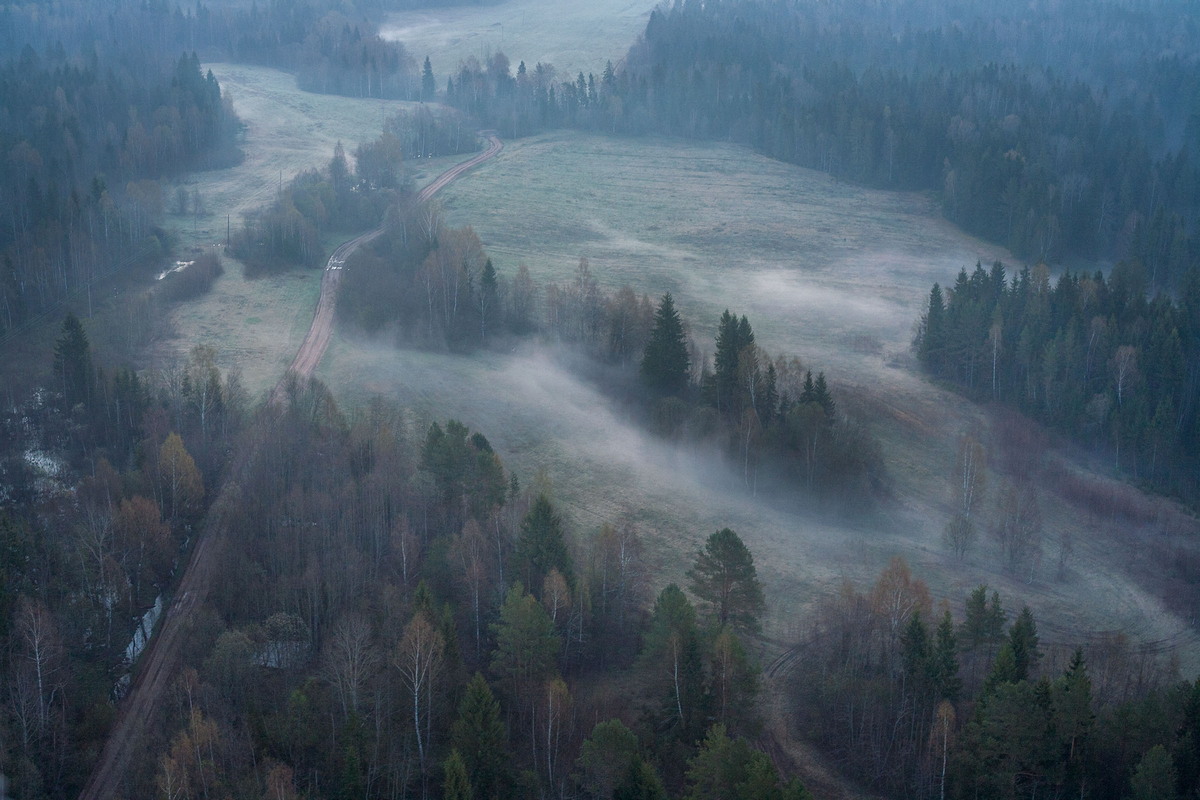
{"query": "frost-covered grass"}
{"type": "Point", "coordinates": [833, 273]}
{"type": "Point", "coordinates": [258, 325]}
{"type": "Point", "coordinates": [574, 37]}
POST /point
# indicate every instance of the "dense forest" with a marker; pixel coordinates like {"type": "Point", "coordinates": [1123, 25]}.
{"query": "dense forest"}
{"type": "Point", "coordinates": [925, 702]}
{"type": "Point", "coordinates": [1090, 356]}
{"type": "Point", "coordinates": [85, 139]}
{"type": "Point", "coordinates": [396, 613]}
{"type": "Point", "coordinates": [332, 47]}
{"type": "Point", "coordinates": [1042, 136]}
{"type": "Point", "coordinates": [101, 102]}
{"type": "Point", "coordinates": [103, 476]}
{"type": "Point", "coordinates": [465, 642]}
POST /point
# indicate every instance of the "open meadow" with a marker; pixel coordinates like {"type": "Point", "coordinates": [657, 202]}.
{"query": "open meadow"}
{"type": "Point", "coordinates": [258, 324]}
{"type": "Point", "coordinates": [573, 37]}
{"type": "Point", "coordinates": [833, 273]}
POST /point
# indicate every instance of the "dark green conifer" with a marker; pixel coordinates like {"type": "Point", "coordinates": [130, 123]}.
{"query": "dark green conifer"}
{"type": "Point", "coordinates": [1023, 639]}
{"type": "Point", "coordinates": [428, 83]}
{"type": "Point", "coordinates": [73, 363]}
{"type": "Point", "coordinates": [479, 738]}
{"type": "Point", "coordinates": [943, 662]}
{"type": "Point", "coordinates": [931, 340]}
{"type": "Point", "coordinates": [665, 363]}
{"type": "Point", "coordinates": [542, 546]}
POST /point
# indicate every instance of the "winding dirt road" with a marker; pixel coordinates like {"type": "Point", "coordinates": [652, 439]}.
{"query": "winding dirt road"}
{"type": "Point", "coordinates": [161, 657]}
{"type": "Point", "coordinates": [312, 350]}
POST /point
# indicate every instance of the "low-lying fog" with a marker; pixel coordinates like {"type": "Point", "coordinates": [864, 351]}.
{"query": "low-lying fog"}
{"type": "Point", "coordinates": [602, 467]}
{"type": "Point", "coordinates": [834, 274]}
{"type": "Point", "coordinates": [541, 417]}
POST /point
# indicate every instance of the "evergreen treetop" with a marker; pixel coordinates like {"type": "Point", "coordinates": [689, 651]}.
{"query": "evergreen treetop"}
{"type": "Point", "coordinates": [665, 362]}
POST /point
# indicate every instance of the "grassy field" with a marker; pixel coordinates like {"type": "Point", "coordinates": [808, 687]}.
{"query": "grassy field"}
{"type": "Point", "coordinates": [833, 273]}
{"type": "Point", "coordinates": [830, 272]}
{"type": "Point", "coordinates": [258, 325]}
{"type": "Point", "coordinates": [574, 37]}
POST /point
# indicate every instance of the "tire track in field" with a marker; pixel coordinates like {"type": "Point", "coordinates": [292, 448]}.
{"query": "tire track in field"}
{"type": "Point", "coordinates": [158, 662]}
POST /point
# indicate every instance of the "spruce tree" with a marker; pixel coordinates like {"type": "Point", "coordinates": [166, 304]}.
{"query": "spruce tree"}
{"type": "Point", "coordinates": [478, 737]}
{"type": "Point", "coordinates": [665, 362]}
{"type": "Point", "coordinates": [73, 363]}
{"type": "Point", "coordinates": [943, 662]}
{"type": "Point", "coordinates": [822, 397]}
{"type": "Point", "coordinates": [641, 782]}
{"type": "Point", "coordinates": [541, 546]}
{"type": "Point", "coordinates": [428, 84]}
{"type": "Point", "coordinates": [527, 646]}
{"type": "Point", "coordinates": [769, 402]}
{"type": "Point", "coordinates": [605, 759]}
{"type": "Point", "coordinates": [671, 654]}
{"type": "Point", "coordinates": [456, 785]}
{"type": "Point", "coordinates": [931, 340]}
{"type": "Point", "coordinates": [488, 297]}
{"type": "Point", "coordinates": [914, 648]}
{"type": "Point", "coordinates": [724, 378]}
{"type": "Point", "coordinates": [1023, 639]}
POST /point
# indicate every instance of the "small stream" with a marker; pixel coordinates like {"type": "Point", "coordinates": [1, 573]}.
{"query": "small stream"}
{"type": "Point", "coordinates": [141, 637]}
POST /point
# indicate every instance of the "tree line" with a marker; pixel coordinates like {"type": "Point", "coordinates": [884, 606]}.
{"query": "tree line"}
{"type": "Point", "coordinates": [923, 702]}
{"type": "Point", "coordinates": [1087, 355]}
{"type": "Point", "coordinates": [103, 106]}
{"type": "Point", "coordinates": [87, 138]}
{"type": "Point", "coordinates": [331, 47]}
{"type": "Point", "coordinates": [1050, 158]}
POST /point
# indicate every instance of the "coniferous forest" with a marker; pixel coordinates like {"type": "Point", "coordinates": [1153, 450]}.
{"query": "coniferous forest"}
{"type": "Point", "coordinates": [85, 136]}
{"type": "Point", "coordinates": [1090, 356]}
{"type": "Point", "coordinates": [1037, 128]}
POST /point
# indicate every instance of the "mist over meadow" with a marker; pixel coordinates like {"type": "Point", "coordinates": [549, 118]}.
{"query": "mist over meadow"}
{"type": "Point", "coordinates": [680, 400]}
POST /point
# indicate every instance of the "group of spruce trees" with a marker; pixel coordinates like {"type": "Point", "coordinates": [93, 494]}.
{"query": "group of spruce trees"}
{"type": "Point", "coordinates": [768, 410]}
{"type": "Point", "coordinates": [1088, 355]}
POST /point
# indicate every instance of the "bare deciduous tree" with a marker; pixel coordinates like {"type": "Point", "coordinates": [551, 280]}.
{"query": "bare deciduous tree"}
{"type": "Point", "coordinates": [1018, 528]}
{"type": "Point", "coordinates": [970, 481]}
{"type": "Point", "coordinates": [349, 660]}
{"type": "Point", "coordinates": [37, 665]}
{"type": "Point", "coordinates": [469, 551]}
{"type": "Point", "coordinates": [418, 657]}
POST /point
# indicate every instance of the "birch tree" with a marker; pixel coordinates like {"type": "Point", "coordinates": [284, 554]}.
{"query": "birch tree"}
{"type": "Point", "coordinates": [418, 658]}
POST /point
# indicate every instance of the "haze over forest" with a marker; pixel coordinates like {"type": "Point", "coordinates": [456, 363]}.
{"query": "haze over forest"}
{"type": "Point", "coordinates": [726, 399]}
